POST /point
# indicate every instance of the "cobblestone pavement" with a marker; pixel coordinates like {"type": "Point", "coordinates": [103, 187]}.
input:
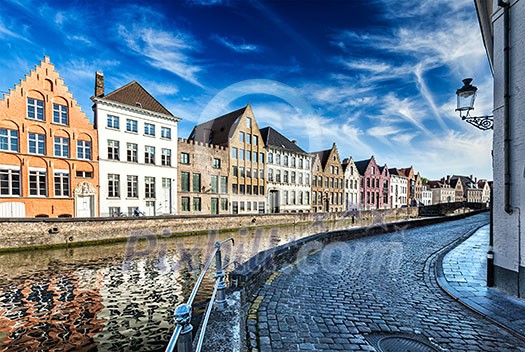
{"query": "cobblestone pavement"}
{"type": "Point", "coordinates": [339, 296]}
{"type": "Point", "coordinates": [464, 277]}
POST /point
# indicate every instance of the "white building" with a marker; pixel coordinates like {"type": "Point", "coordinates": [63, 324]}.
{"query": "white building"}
{"type": "Point", "coordinates": [137, 140]}
{"type": "Point", "coordinates": [485, 186]}
{"type": "Point", "coordinates": [503, 25]}
{"type": "Point", "coordinates": [352, 183]}
{"type": "Point", "coordinates": [441, 192]}
{"type": "Point", "coordinates": [398, 188]}
{"type": "Point", "coordinates": [288, 174]}
{"type": "Point", "coordinates": [426, 195]}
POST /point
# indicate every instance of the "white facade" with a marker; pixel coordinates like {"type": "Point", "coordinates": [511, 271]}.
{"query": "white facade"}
{"type": "Point", "coordinates": [288, 180]}
{"type": "Point", "coordinates": [427, 196]}
{"type": "Point", "coordinates": [352, 184]}
{"type": "Point", "coordinates": [445, 194]}
{"type": "Point", "coordinates": [138, 160]}
{"type": "Point", "coordinates": [398, 190]}
{"type": "Point", "coordinates": [509, 214]}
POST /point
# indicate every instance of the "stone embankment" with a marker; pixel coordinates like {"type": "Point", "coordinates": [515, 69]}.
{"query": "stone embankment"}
{"type": "Point", "coordinates": [55, 232]}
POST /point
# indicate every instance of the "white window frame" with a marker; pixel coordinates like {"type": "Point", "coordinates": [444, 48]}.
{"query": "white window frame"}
{"type": "Point", "coordinates": [60, 114]}
{"type": "Point", "coordinates": [10, 137]}
{"type": "Point", "coordinates": [39, 140]}
{"type": "Point", "coordinates": [36, 109]}
{"type": "Point", "coordinates": [61, 142]}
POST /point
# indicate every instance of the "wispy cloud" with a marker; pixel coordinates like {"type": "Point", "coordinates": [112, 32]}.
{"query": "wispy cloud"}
{"type": "Point", "coordinates": [239, 47]}
{"type": "Point", "coordinates": [207, 2]}
{"type": "Point", "coordinates": [6, 32]}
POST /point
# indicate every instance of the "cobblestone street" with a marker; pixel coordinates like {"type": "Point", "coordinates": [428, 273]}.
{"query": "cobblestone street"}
{"type": "Point", "coordinates": [342, 295]}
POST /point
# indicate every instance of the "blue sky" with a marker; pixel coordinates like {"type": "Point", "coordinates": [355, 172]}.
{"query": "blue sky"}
{"type": "Point", "coordinates": [376, 77]}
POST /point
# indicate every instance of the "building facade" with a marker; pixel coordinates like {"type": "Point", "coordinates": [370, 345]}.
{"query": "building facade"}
{"type": "Point", "coordinates": [371, 184]}
{"type": "Point", "coordinates": [426, 195]}
{"type": "Point", "coordinates": [238, 131]}
{"type": "Point", "coordinates": [485, 187]}
{"type": "Point", "coordinates": [329, 178]}
{"type": "Point", "coordinates": [398, 188]}
{"type": "Point", "coordinates": [288, 174]}
{"type": "Point", "coordinates": [411, 183]}
{"type": "Point", "coordinates": [48, 150]}
{"type": "Point", "coordinates": [441, 192]}
{"type": "Point", "coordinates": [137, 142]}
{"type": "Point", "coordinates": [203, 172]}
{"type": "Point", "coordinates": [352, 183]}
{"type": "Point", "coordinates": [384, 181]}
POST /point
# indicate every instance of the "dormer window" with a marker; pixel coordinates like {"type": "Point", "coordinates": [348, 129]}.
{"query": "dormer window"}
{"type": "Point", "coordinates": [138, 105]}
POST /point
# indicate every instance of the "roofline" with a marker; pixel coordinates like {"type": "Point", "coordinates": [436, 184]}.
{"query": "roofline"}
{"type": "Point", "coordinates": [134, 108]}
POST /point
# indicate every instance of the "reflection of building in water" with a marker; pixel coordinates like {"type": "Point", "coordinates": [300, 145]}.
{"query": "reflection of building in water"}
{"type": "Point", "coordinates": [47, 314]}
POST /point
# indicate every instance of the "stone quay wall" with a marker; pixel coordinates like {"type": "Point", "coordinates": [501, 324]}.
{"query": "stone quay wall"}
{"type": "Point", "coordinates": [27, 233]}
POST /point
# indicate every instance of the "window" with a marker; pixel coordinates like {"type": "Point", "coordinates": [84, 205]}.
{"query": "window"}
{"type": "Point", "coordinates": [185, 181]}
{"type": "Point", "coordinates": [165, 132]}
{"type": "Point", "coordinates": [214, 186]}
{"type": "Point", "coordinates": [241, 171]}
{"type": "Point", "coordinates": [270, 158]}
{"type": "Point", "coordinates": [241, 189]}
{"type": "Point", "coordinates": [255, 140]}
{"type": "Point", "coordinates": [300, 178]}
{"type": "Point", "coordinates": [149, 187]}
{"type": "Point", "coordinates": [242, 206]}
{"type": "Point", "coordinates": [248, 138]}
{"type": "Point", "coordinates": [300, 163]}
{"type": "Point", "coordinates": [224, 204]}
{"type": "Point", "coordinates": [149, 155]}
{"type": "Point", "coordinates": [133, 186]}
{"type": "Point", "coordinates": [216, 163]}
{"type": "Point", "coordinates": [185, 203]}
{"type": "Point", "coordinates": [285, 197]}
{"type": "Point", "coordinates": [292, 200]}
{"type": "Point", "coordinates": [131, 152]}
{"type": "Point", "coordinates": [60, 114]}
{"type": "Point", "coordinates": [113, 186]}
{"type": "Point", "coordinates": [84, 174]}
{"type": "Point", "coordinates": [249, 156]}
{"type": "Point", "coordinates": [261, 158]}
{"type": "Point", "coordinates": [114, 211]}
{"type": "Point", "coordinates": [277, 175]}
{"type": "Point", "coordinates": [241, 137]}
{"type": "Point", "coordinates": [37, 143]}
{"type": "Point", "coordinates": [149, 129]}
{"type": "Point", "coordinates": [9, 182]}
{"type": "Point", "coordinates": [285, 177]}
{"type": "Point", "coordinates": [255, 173]}
{"type": "Point", "coordinates": [248, 189]}
{"type": "Point", "coordinates": [131, 126]}
{"type": "Point", "coordinates": [235, 171]}
{"type": "Point", "coordinates": [184, 158]}
{"type": "Point", "coordinates": [235, 189]}
{"type": "Point", "coordinates": [286, 160]}
{"type": "Point", "coordinates": [35, 109]}
{"type": "Point", "coordinates": [61, 147]}
{"type": "Point", "coordinates": [278, 159]}
{"type": "Point", "coordinates": [37, 183]}
{"type": "Point", "coordinates": [248, 122]}
{"type": "Point", "coordinates": [255, 190]}
{"type": "Point", "coordinates": [197, 183]}
{"type": "Point", "coordinates": [261, 174]}
{"type": "Point", "coordinates": [292, 178]}
{"type": "Point", "coordinates": [113, 122]}
{"type": "Point", "coordinates": [224, 184]}
{"type": "Point", "coordinates": [113, 150]}
{"type": "Point", "coordinates": [8, 140]}
{"type": "Point", "coordinates": [248, 172]}
{"type": "Point", "coordinates": [293, 161]}
{"type": "Point", "coordinates": [235, 207]}
{"type": "Point", "coordinates": [241, 154]}
{"type": "Point", "coordinates": [196, 204]}
{"type": "Point", "coordinates": [270, 175]}
{"type": "Point", "coordinates": [249, 206]}
{"type": "Point", "coordinates": [61, 184]}
{"type": "Point", "coordinates": [261, 190]}
{"type": "Point", "coordinates": [254, 157]}
{"type": "Point", "coordinates": [308, 179]}
{"type": "Point", "coordinates": [166, 157]}
{"type": "Point", "coordinates": [307, 164]}
{"type": "Point", "coordinates": [84, 150]}
{"type": "Point", "coordinates": [234, 153]}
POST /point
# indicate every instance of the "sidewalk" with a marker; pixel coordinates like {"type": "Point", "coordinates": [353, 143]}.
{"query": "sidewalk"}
{"type": "Point", "coordinates": [463, 276]}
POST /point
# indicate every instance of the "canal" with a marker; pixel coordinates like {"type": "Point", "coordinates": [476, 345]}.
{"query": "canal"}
{"type": "Point", "coordinates": [116, 297]}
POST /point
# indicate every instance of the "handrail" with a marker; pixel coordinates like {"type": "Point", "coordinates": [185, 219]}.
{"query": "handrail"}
{"type": "Point", "coordinates": [183, 311]}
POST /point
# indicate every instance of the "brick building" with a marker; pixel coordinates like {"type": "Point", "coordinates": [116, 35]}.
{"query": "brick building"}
{"type": "Point", "coordinates": [327, 181]}
{"type": "Point", "coordinates": [238, 131]}
{"type": "Point", "coordinates": [203, 178]}
{"type": "Point", "coordinates": [371, 186]}
{"type": "Point", "coordinates": [48, 150]}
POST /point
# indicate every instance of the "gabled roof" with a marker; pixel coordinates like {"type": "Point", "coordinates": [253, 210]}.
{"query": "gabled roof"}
{"type": "Point", "coordinates": [133, 94]}
{"type": "Point", "coordinates": [217, 131]}
{"type": "Point", "coordinates": [436, 184]}
{"type": "Point", "coordinates": [407, 171]}
{"type": "Point", "coordinates": [466, 182]}
{"type": "Point", "coordinates": [361, 165]}
{"type": "Point", "coordinates": [323, 156]}
{"type": "Point", "coordinates": [482, 183]}
{"type": "Point", "coordinates": [274, 139]}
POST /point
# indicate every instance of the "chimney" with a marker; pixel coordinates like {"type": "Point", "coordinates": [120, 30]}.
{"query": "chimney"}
{"type": "Point", "coordinates": [294, 141]}
{"type": "Point", "coordinates": [448, 179]}
{"type": "Point", "coordinates": [475, 180]}
{"type": "Point", "coordinates": [471, 177]}
{"type": "Point", "coordinates": [99, 84]}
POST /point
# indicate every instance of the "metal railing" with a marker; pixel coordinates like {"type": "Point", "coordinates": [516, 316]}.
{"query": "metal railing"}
{"type": "Point", "coordinates": [182, 337]}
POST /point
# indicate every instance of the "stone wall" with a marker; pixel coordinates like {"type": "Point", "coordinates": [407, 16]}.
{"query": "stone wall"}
{"type": "Point", "coordinates": [45, 232]}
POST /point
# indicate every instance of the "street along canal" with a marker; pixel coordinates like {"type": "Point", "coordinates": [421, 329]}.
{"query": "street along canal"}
{"type": "Point", "coordinates": [116, 297]}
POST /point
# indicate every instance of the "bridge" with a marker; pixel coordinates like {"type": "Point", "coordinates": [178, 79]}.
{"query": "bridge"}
{"type": "Point", "coordinates": [448, 208]}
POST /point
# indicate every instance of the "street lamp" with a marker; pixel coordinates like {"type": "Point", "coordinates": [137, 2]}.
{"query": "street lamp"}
{"type": "Point", "coordinates": [466, 96]}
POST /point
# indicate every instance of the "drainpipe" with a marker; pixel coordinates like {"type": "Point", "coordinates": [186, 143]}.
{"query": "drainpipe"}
{"type": "Point", "coordinates": [506, 107]}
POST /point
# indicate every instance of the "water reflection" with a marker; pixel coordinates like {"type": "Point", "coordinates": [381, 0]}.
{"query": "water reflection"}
{"type": "Point", "coordinates": [115, 297]}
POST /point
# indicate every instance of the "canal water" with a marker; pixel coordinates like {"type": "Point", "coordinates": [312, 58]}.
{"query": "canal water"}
{"type": "Point", "coordinates": [118, 297]}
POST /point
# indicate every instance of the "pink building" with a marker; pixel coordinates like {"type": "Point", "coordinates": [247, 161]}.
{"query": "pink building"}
{"type": "Point", "coordinates": [375, 184]}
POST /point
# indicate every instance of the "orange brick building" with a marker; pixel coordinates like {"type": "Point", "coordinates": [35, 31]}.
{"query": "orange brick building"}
{"type": "Point", "coordinates": [48, 150]}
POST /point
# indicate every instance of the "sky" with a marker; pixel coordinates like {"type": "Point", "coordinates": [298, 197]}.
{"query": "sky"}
{"type": "Point", "coordinates": [376, 77]}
